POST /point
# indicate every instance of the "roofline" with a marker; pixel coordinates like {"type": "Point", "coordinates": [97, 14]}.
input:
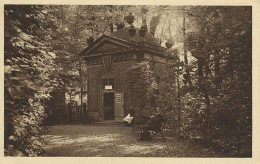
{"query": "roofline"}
{"type": "Point", "coordinates": [108, 53]}
{"type": "Point", "coordinates": [137, 44]}
{"type": "Point", "coordinates": [82, 52]}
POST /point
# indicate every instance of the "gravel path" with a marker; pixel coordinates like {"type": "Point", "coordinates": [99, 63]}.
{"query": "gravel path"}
{"type": "Point", "coordinates": [114, 140]}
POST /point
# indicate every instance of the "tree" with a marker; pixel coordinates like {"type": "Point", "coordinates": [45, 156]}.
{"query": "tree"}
{"type": "Point", "coordinates": [144, 86]}
{"type": "Point", "coordinates": [221, 42]}
{"type": "Point", "coordinates": [28, 80]}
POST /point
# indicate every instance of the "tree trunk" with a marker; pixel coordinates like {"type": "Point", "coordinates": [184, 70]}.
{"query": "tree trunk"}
{"type": "Point", "coordinates": [208, 113]}
{"type": "Point", "coordinates": [81, 88]}
{"type": "Point", "coordinates": [203, 88]}
{"type": "Point", "coordinates": [200, 72]}
{"type": "Point", "coordinates": [230, 63]}
{"type": "Point", "coordinates": [154, 23]}
{"type": "Point", "coordinates": [185, 52]}
{"type": "Point", "coordinates": [179, 105]}
{"type": "Point", "coordinates": [217, 72]}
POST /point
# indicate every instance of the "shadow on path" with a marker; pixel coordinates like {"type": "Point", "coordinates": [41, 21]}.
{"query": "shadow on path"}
{"type": "Point", "coordinates": [114, 140]}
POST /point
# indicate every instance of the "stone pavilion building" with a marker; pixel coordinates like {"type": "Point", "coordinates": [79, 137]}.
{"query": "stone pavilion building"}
{"type": "Point", "coordinates": [107, 60]}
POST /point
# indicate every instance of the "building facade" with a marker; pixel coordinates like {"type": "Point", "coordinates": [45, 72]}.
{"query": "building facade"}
{"type": "Point", "coordinates": [108, 59]}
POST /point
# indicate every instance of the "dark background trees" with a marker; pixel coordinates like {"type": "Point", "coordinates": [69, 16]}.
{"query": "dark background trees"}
{"type": "Point", "coordinates": [221, 42]}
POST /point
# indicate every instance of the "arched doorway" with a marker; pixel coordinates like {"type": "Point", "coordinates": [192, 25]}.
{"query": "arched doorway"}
{"type": "Point", "coordinates": [111, 101]}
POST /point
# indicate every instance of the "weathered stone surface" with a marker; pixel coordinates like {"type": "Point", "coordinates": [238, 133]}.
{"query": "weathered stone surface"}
{"type": "Point", "coordinates": [93, 73]}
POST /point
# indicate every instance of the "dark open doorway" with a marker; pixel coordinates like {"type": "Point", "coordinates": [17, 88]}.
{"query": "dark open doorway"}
{"type": "Point", "coordinates": [109, 106]}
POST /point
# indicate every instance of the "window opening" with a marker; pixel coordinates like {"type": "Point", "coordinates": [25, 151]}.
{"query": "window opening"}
{"type": "Point", "coordinates": [108, 83]}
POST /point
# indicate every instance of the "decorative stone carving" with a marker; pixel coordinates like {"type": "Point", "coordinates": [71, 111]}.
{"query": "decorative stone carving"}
{"type": "Point", "coordinates": [107, 62]}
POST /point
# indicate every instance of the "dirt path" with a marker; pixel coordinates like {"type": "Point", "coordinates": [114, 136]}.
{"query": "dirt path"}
{"type": "Point", "coordinates": [114, 140]}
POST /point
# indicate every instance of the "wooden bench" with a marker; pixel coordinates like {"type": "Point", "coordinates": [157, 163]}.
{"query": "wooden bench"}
{"type": "Point", "coordinates": [147, 125]}
{"type": "Point", "coordinates": [139, 121]}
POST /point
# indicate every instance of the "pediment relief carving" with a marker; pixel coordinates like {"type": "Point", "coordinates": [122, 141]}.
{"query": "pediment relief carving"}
{"type": "Point", "coordinates": [107, 44]}
{"type": "Point", "coordinates": [109, 47]}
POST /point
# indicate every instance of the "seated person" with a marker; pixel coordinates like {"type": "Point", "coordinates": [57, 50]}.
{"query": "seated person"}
{"type": "Point", "coordinates": [128, 120]}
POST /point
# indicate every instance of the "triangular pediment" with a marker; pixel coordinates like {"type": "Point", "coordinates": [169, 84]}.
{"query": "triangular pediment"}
{"type": "Point", "coordinates": [107, 44]}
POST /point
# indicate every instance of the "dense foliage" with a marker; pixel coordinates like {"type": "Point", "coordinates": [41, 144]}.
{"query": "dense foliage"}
{"type": "Point", "coordinates": [144, 86]}
{"type": "Point", "coordinates": [214, 88]}
{"type": "Point", "coordinates": [28, 80]}
{"type": "Point", "coordinates": [218, 107]}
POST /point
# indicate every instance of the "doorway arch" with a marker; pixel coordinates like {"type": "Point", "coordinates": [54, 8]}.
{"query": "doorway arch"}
{"type": "Point", "coordinates": [108, 84]}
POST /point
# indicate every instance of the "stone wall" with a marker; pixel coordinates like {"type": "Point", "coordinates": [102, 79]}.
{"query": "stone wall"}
{"type": "Point", "coordinates": [120, 69]}
{"type": "Point", "coordinates": [94, 101]}
{"type": "Point", "coordinates": [93, 73]}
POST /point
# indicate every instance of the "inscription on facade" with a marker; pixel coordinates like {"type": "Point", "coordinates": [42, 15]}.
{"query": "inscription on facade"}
{"type": "Point", "coordinates": [118, 98]}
